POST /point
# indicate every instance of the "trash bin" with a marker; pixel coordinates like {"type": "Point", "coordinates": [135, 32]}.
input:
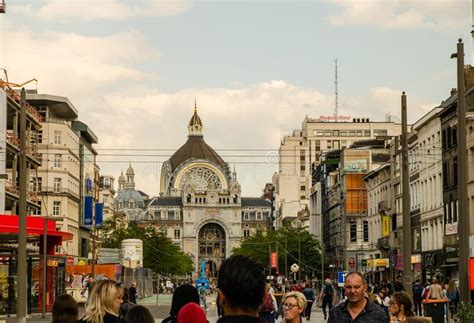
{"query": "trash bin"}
{"type": "Point", "coordinates": [435, 308]}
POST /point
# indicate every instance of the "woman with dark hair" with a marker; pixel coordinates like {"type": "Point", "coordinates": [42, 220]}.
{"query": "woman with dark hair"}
{"type": "Point", "coordinates": [139, 314]}
{"type": "Point", "coordinates": [401, 306]}
{"type": "Point", "coordinates": [65, 309]}
{"type": "Point", "coordinates": [183, 295]}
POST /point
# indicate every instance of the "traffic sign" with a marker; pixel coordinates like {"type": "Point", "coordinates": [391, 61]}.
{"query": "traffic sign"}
{"type": "Point", "coordinates": [341, 276]}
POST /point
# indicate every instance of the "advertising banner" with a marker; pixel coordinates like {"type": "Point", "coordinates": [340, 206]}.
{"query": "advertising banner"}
{"type": "Point", "coordinates": [385, 226]}
{"type": "Point", "coordinates": [88, 202]}
{"type": "Point", "coordinates": [99, 214]}
{"type": "Point", "coordinates": [274, 259]}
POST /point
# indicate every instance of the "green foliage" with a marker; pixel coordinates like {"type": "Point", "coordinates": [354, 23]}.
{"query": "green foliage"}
{"type": "Point", "coordinates": [257, 246]}
{"type": "Point", "coordinates": [465, 313]}
{"type": "Point", "coordinates": [159, 252]}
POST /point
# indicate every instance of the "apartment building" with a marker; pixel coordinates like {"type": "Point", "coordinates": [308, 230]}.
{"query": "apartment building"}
{"type": "Point", "coordinates": [300, 151]}
{"type": "Point", "coordinates": [69, 172]}
{"type": "Point", "coordinates": [106, 196]}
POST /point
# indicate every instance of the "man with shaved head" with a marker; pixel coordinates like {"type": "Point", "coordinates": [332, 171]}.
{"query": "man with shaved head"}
{"type": "Point", "coordinates": [357, 308]}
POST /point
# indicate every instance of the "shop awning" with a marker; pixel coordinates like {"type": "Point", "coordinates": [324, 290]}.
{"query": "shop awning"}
{"type": "Point", "coordinates": [34, 227]}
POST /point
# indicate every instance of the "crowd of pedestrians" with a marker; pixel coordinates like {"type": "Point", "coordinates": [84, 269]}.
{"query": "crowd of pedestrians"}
{"type": "Point", "coordinates": [244, 295]}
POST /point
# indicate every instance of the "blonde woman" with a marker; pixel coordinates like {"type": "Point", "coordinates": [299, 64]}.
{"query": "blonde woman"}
{"type": "Point", "coordinates": [294, 304]}
{"type": "Point", "coordinates": [104, 304]}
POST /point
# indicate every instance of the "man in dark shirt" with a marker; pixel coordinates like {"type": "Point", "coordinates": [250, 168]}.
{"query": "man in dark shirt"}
{"type": "Point", "coordinates": [241, 289]}
{"type": "Point", "coordinates": [357, 308]}
{"type": "Point", "coordinates": [309, 294]}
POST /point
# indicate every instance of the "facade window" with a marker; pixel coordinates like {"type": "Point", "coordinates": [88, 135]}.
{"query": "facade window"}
{"type": "Point", "coordinates": [57, 160]}
{"type": "Point", "coordinates": [246, 233]}
{"type": "Point", "coordinates": [57, 185]}
{"type": "Point", "coordinates": [343, 144]}
{"type": "Point", "coordinates": [170, 215]}
{"type": "Point", "coordinates": [336, 144]}
{"type": "Point", "coordinates": [343, 133]}
{"type": "Point", "coordinates": [303, 188]}
{"type": "Point", "coordinates": [318, 145]}
{"type": "Point", "coordinates": [359, 133]}
{"type": "Point", "coordinates": [40, 136]}
{"type": "Point", "coordinates": [57, 137]}
{"type": "Point", "coordinates": [366, 133]}
{"type": "Point", "coordinates": [56, 208]}
{"type": "Point", "coordinates": [366, 231]}
{"type": "Point", "coordinates": [131, 204]}
{"type": "Point", "coordinates": [335, 133]}
{"type": "Point", "coordinates": [177, 234]}
{"type": "Point", "coordinates": [353, 231]}
{"type": "Point", "coordinates": [157, 215]}
{"type": "Point", "coordinates": [259, 216]}
{"type": "Point", "coordinates": [37, 184]}
{"type": "Point", "coordinates": [327, 133]}
{"type": "Point", "coordinates": [455, 171]}
{"type": "Point", "coordinates": [351, 133]}
{"type": "Point", "coordinates": [380, 132]}
{"type": "Point", "coordinates": [246, 216]}
{"type": "Point", "coordinates": [329, 144]}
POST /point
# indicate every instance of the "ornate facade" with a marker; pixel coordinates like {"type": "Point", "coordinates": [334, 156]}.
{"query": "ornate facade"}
{"type": "Point", "coordinates": [200, 204]}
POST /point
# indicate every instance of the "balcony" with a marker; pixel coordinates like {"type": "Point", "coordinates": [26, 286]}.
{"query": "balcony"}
{"type": "Point", "coordinates": [384, 206]}
{"type": "Point", "coordinates": [13, 139]}
{"type": "Point", "coordinates": [31, 111]}
{"type": "Point", "coordinates": [12, 188]}
{"type": "Point", "coordinates": [383, 243]}
{"type": "Point", "coordinates": [32, 152]}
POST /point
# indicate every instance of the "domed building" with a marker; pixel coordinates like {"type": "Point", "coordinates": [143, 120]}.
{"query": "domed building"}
{"type": "Point", "coordinates": [200, 202]}
{"type": "Point", "coordinates": [129, 201]}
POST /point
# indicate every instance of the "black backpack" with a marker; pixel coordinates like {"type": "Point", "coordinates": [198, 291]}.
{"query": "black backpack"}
{"type": "Point", "coordinates": [328, 291]}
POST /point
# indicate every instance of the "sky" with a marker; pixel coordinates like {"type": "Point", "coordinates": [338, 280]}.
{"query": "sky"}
{"type": "Point", "coordinates": [133, 69]}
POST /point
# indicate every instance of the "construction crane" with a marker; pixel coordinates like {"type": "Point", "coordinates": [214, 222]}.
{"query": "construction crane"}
{"type": "Point", "coordinates": [5, 84]}
{"type": "Point", "coordinates": [3, 6]}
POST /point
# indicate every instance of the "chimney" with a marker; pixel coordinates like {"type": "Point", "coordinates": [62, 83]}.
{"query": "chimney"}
{"type": "Point", "coordinates": [454, 91]}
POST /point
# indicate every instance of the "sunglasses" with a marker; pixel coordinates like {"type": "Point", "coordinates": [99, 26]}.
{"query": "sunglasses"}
{"type": "Point", "coordinates": [290, 306]}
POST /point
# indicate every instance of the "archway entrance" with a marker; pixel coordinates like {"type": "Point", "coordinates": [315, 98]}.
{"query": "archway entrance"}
{"type": "Point", "coordinates": [212, 248]}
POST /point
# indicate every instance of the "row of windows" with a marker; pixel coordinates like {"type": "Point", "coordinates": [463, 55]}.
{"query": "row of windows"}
{"type": "Point", "coordinates": [255, 216]}
{"type": "Point", "coordinates": [353, 231]}
{"type": "Point", "coordinates": [163, 215]}
{"type": "Point", "coordinates": [349, 133]}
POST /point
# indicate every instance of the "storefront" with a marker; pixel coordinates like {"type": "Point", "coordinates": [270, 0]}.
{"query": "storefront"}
{"type": "Point", "coordinates": [55, 275]}
{"type": "Point", "coordinates": [431, 264]}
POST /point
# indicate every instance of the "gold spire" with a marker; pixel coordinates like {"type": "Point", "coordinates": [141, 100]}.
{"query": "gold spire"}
{"type": "Point", "coordinates": [195, 105]}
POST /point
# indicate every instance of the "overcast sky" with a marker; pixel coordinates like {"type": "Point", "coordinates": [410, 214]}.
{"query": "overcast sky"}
{"type": "Point", "coordinates": [256, 68]}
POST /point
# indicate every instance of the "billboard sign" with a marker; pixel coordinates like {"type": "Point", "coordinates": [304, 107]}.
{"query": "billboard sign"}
{"type": "Point", "coordinates": [355, 166]}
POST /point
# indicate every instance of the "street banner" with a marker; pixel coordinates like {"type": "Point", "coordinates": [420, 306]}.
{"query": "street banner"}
{"type": "Point", "coordinates": [274, 259]}
{"type": "Point", "coordinates": [99, 214]}
{"type": "Point", "coordinates": [471, 273]}
{"type": "Point", "coordinates": [88, 210]}
{"type": "Point", "coordinates": [385, 226]}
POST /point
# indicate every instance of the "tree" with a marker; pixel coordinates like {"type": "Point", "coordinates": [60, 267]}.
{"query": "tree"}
{"type": "Point", "coordinates": [159, 253]}
{"type": "Point", "coordinates": [256, 246]}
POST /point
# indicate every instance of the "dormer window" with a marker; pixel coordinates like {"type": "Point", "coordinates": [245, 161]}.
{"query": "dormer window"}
{"type": "Point", "coordinates": [131, 204]}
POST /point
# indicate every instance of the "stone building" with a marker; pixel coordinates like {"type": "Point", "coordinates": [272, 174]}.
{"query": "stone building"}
{"type": "Point", "coordinates": [200, 204]}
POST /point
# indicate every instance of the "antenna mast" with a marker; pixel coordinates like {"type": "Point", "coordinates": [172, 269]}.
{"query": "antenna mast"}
{"type": "Point", "coordinates": [336, 106]}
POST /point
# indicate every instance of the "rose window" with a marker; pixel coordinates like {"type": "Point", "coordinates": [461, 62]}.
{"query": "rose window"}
{"type": "Point", "coordinates": [201, 179]}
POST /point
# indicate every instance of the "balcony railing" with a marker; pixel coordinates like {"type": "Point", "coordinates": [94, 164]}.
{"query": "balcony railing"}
{"type": "Point", "coordinates": [32, 151]}
{"type": "Point", "coordinates": [13, 139]}
{"type": "Point", "coordinates": [15, 96]}
{"type": "Point", "coordinates": [12, 187]}
{"type": "Point", "coordinates": [384, 206]}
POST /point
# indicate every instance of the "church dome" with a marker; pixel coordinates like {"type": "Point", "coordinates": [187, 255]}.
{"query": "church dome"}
{"type": "Point", "coordinates": [195, 147]}
{"type": "Point", "coordinates": [128, 195]}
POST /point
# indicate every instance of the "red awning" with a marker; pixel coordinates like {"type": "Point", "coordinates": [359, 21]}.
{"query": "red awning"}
{"type": "Point", "coordinates": [34, 226]}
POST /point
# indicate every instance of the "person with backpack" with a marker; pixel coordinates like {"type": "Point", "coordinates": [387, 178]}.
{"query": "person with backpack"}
{"type": "Point", "coordinates": [267, 310]}
{"type": "Point", "coordinates": [327, 296]}
{"type": "Point", "coordinates": [417, 296]}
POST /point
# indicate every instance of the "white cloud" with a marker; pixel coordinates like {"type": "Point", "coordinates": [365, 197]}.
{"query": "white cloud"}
{"type": "Point", "coordinates": [65, 10]}
{"type": "Point", "coordinates": [441, 15]}
{"type": "Point", "coordinates": [73, 62]}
